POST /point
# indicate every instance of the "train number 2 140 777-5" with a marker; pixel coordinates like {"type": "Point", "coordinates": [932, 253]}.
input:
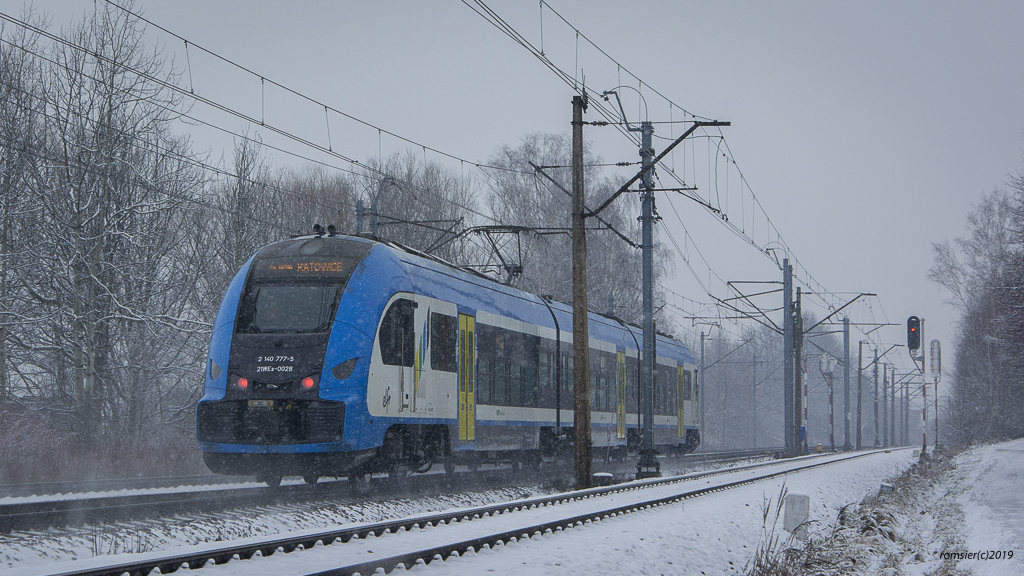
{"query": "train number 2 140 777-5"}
{"type": "Point", "coordinates": [274, 359]}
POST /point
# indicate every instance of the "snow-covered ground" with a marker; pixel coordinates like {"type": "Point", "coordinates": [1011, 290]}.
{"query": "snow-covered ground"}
{"type": "Point", "coordinates": [990, 480]}
{"type": "Point", "coordinates": [977, 506]}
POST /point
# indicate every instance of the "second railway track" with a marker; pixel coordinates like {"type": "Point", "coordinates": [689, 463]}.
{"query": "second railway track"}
{"type": "Point", "coordinates": [456, 544]}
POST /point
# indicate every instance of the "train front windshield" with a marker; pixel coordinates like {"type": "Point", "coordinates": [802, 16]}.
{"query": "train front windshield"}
{"type": "Point", "coordinates": [295, 287]}
{"type": "Point", "coordinates": [288, 308]}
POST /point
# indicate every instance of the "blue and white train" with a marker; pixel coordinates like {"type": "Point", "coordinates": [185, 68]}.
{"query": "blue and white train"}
{"type": "Point", "coordinates": [342, 356]}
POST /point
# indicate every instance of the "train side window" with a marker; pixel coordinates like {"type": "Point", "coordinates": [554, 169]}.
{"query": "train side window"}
{"type": "Point", "coordinates": [632, 386]}
{"type": "Point", "coordinates": [530, 373]}
{"type": "Point", "coordinates": [567, 380]}
{"type": "Point", "coordinates": [546, 375]}
{"type": "Point", "coordinates": [485, 351]}
{"type": "Point", "coordinates": [444, 332]}
{"type": "Point", "coordinates": [663, 385]}
{"type": "Point", "coordinates": [397, 335]}
{"type": "Point", "coordinates": [687, 385]}
{"type": "Point", "coordinates": [610, 367]}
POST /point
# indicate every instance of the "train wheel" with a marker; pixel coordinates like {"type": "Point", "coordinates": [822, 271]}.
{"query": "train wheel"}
{"type": "Point", "coordinates": [311, 478]}
{"type": "Point", "coordinates": [357, 478]}
{"type": "Point", "coordinates": [449, 466]}
{"type": "Point", "coordinates": [473, 465]}
{"type": "Point", "coordinates": [272, 480]}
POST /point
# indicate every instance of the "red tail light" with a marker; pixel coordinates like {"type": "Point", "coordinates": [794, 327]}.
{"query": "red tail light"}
{"type": "Point", "coordinates": [243, 383]}
{"type": "Point", "coordinates": [307, 382]}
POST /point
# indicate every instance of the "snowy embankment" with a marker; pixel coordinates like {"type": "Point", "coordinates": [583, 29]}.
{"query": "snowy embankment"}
{"type": "Point", "coordinates": [994, 507]}
{"type": "Point", "coordinates": [957, 516]}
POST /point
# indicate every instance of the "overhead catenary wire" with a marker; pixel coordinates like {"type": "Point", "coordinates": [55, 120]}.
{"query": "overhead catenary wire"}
{"type": "Point", "coordinates": [173, 87]}
{"type": "Point", "coordinates": [264, 79]}
{"type": "Point", "coordinates": [802, 275]}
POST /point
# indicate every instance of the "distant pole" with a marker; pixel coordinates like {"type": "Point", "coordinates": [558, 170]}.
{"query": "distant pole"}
{"type": "Point", "coordinates": [754, 403]}
{"type": "Point", "coordinates": [906, 413]}
{"type": "Point", "coordinates": [936, 370]}
{"type": "Point", "coordinates": [885, 406]}
{"type": "Point", "coordinates": [360, 211]}
{"type": "Point", "coordinates": [831, 418]}
{"type": "Point", "coordinates": [924, 397]}
{"type": "Point", "coordinates": [800, 436]}
{"type": "Point", "coordinates": [787, 355]}
{"type": "Point", "coordinates": [700, 389]}
{"type": "Point", "coordinates": [876, 443]}
{"type": "Point", "coordinates": [860, 387]}
{"type": "Point", "coordinates": [648, 465]}
{"type": "Point", "coordinates": [892, 407]}
{"type": "Point", "coordinates": [846, 384]}
{"type": "Point", "coordinates": [583, 461]}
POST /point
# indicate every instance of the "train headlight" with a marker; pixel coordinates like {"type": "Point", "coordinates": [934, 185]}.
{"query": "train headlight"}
{"type": "Point", "coordinates": [243, 383]}
{"type": "Point", "coordinates": [309, 383]}
{"type": "Point", "coordinates": [344, 370]}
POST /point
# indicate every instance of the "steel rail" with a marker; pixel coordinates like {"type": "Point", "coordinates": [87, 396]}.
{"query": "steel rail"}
{"type": "Point", "coordinates": [445, 551]}
{"type": "Point", "coordinates": [112, 484]}
{"type": "Point", "coordinates": [220, 555]}
{"type": "Point", "coordinates": [78, 511]}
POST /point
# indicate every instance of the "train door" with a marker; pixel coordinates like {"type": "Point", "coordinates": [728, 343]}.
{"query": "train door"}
{"type": "Point", "coordinates": [620, 396]}
{"type": "Point", "coordinates": [397, 340]}
{"type": "Point", "coordinates": [467, 379]}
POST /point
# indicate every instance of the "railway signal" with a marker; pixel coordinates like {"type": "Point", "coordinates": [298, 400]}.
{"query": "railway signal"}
{"type": "Point", "coordinates": [913, 333]}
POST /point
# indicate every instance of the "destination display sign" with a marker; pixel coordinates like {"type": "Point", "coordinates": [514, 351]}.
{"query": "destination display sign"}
{"type": "Point", "coordinates": [301, 267]}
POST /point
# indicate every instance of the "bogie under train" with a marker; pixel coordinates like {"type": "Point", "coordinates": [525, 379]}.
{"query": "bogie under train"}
{"type": "Point", "coordinates": [342, 356]}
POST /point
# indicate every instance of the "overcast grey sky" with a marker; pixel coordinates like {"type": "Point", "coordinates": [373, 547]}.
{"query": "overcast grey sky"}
{"type": "Point", "coordinates": [866, 129]}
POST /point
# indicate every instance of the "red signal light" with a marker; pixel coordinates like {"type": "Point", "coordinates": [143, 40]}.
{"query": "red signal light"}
{"type": "Point", "coordinates": [243, 383]}
{"type": "Point", "coordinates": [307, 382]}
{"type": "Point", "coordinates": [913, 333]}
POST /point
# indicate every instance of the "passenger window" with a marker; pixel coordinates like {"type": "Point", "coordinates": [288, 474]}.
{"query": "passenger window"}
{"type": "Point", "coordinates": [443, 341]}
{"type": "Point", "coordinates": [397, 335]}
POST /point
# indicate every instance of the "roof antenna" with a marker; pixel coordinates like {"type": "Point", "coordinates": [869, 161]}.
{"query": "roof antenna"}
{"type": "Point", "coordinates": [318, 230]}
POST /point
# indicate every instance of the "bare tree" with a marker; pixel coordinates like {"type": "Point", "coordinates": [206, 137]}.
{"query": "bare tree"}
{"type": "Point", "coordinates": [420, 203]}
{"type": "Point", "coordinates": [21, 117]}
{"type": "Point", "coordinates": [518, 196]}
{"type": "Point", "coordinates": [114, 186]}
{"type": "Point", "coordinates": [984, 274]}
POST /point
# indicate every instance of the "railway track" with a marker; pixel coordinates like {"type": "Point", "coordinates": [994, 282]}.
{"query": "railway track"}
{"type": "Point", "coordinates": [115, 484]}
{"type": "Point", "coordinates": [442, 546]}
{"type": "Point", "coordinates": [98, 509]}
{"type": "Point", "coordinates": [79, 505]}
